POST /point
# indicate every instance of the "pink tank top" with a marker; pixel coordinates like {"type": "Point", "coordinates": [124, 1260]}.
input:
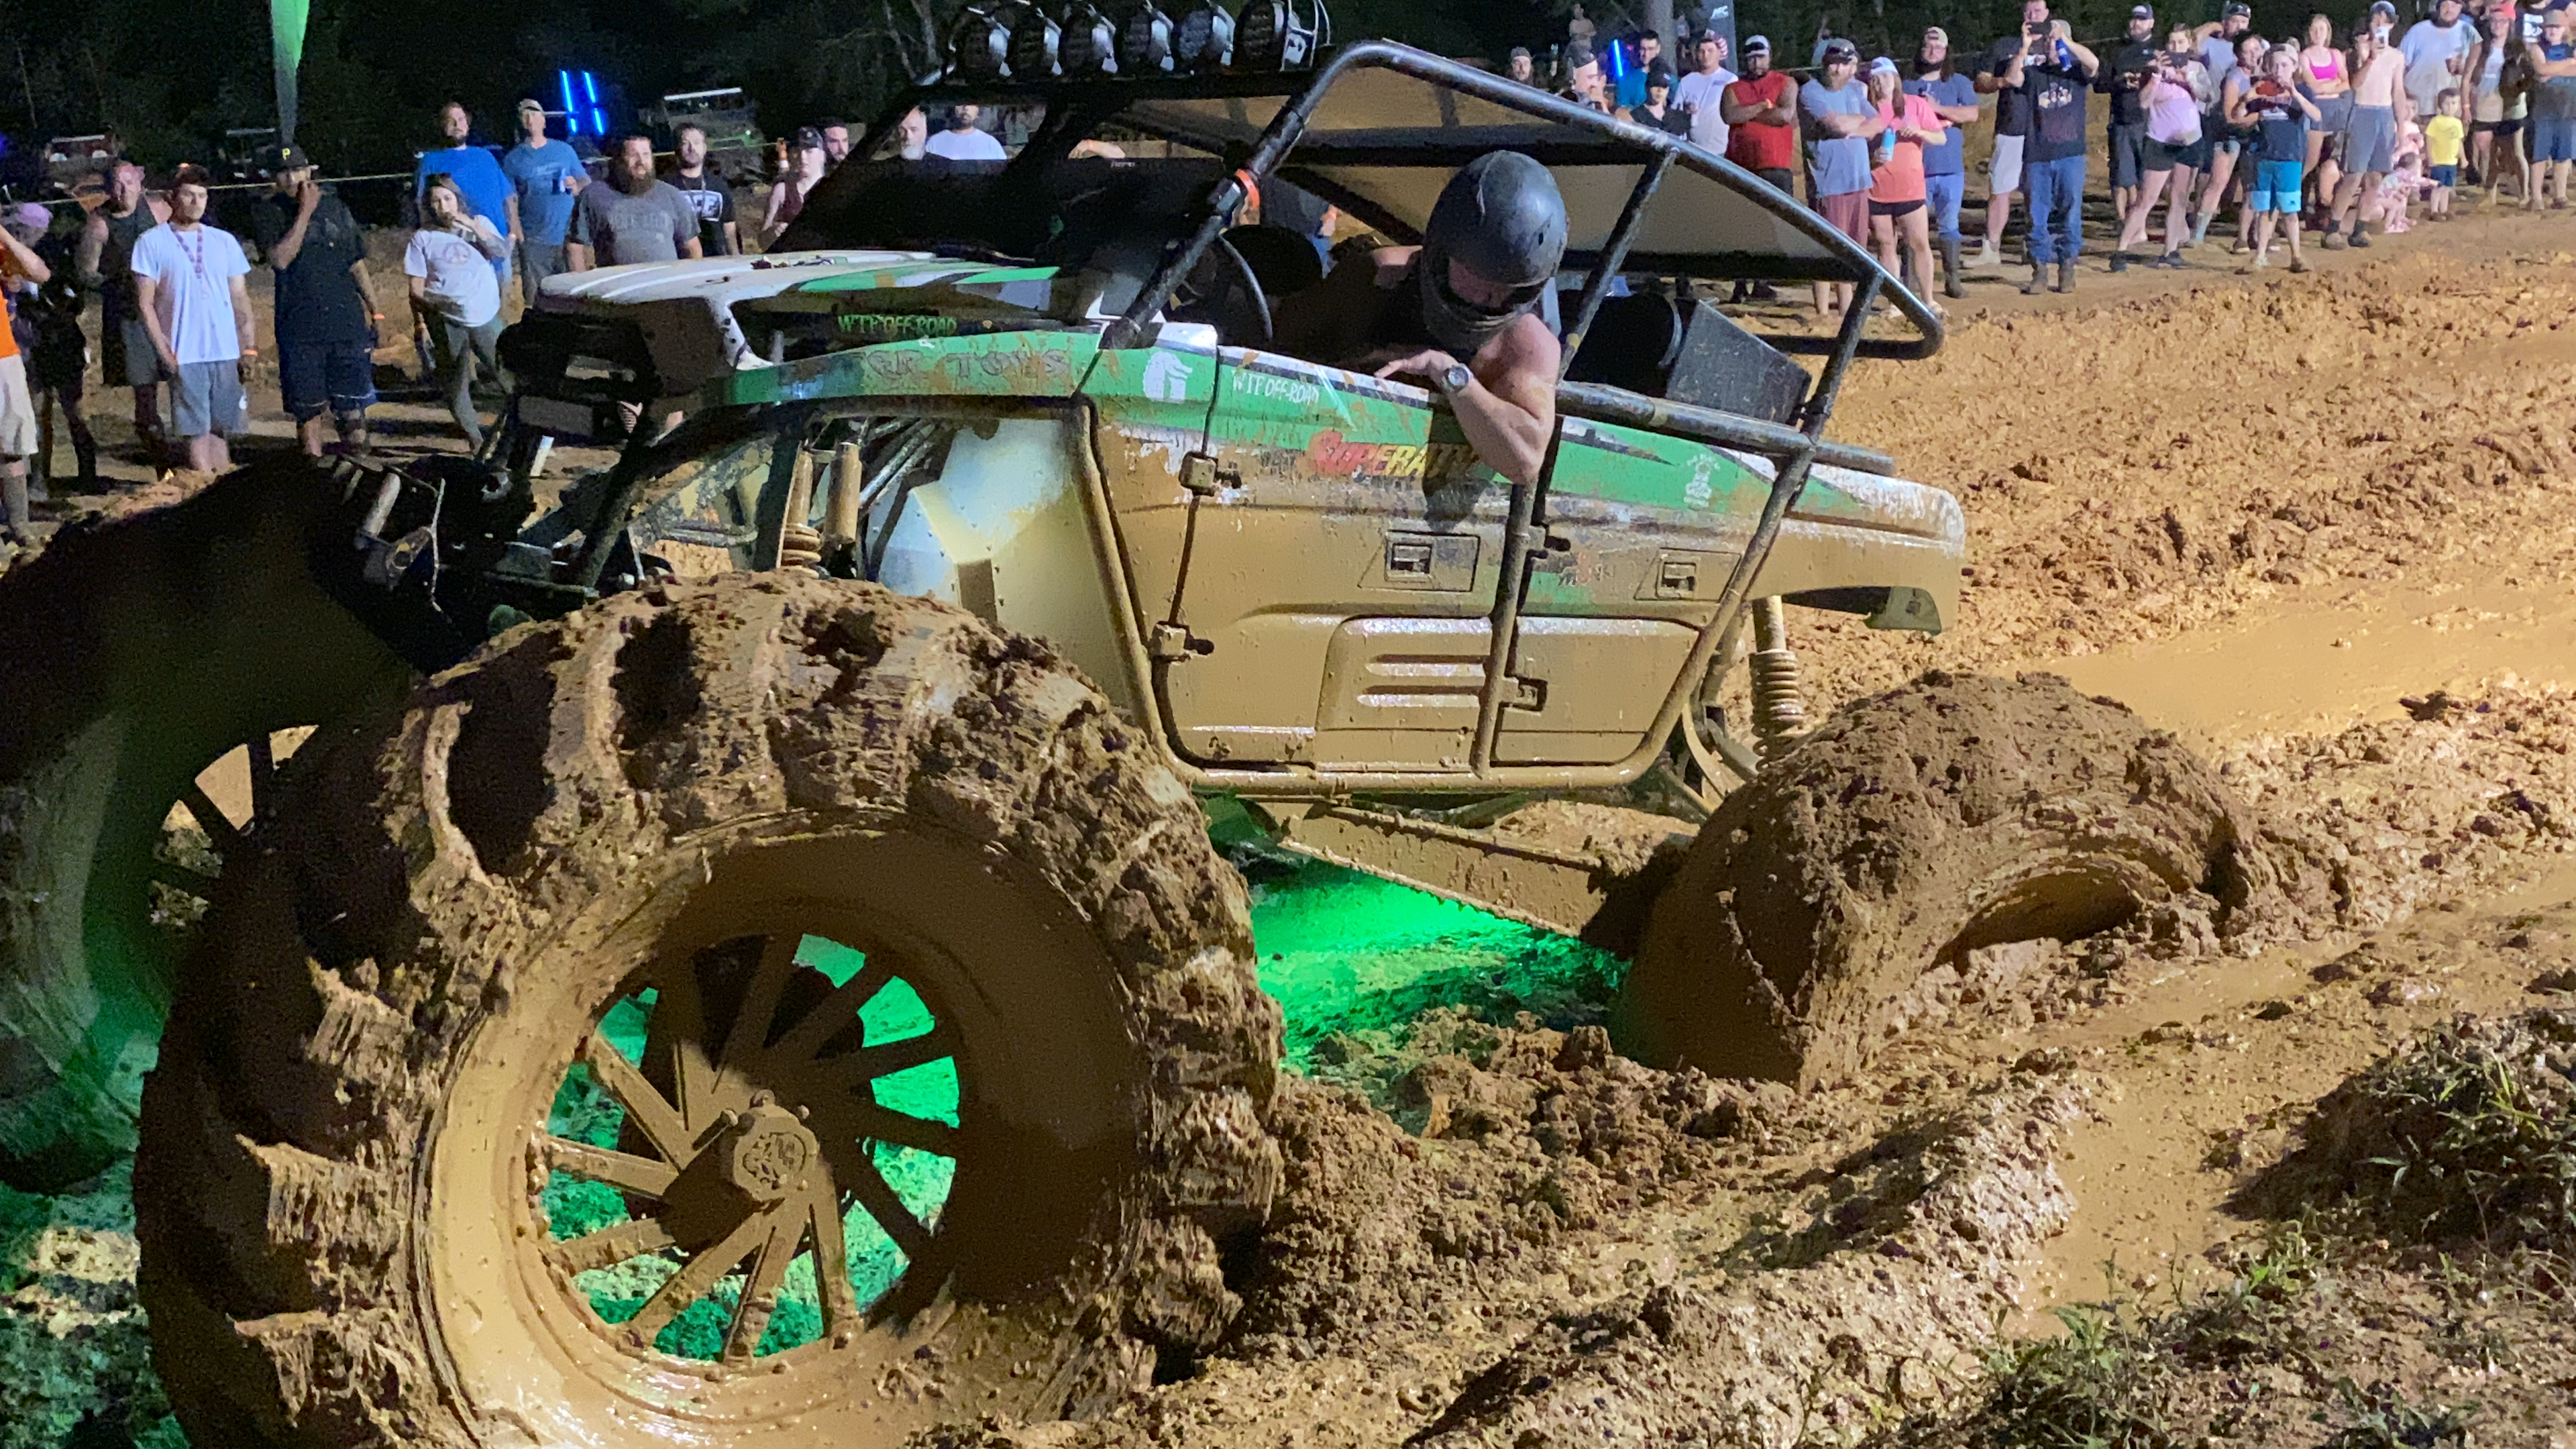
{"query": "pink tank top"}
{"type": "Point", "coordinates": [2332, 69]}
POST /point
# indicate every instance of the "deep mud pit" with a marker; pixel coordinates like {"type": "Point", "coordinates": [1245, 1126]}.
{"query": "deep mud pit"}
{"type": "Point", "coordinates": [2314, 526]}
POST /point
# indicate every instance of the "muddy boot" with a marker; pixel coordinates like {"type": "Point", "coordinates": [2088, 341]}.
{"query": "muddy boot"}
{"type": "Point", "coordinates": [2065, 276]}
{"type": "Point", "coordinates": [1951, 284]}
{"type": "Point", "coordinates": [2038, 282]}
{"type": "Point", "coordinates": [2359, 239]}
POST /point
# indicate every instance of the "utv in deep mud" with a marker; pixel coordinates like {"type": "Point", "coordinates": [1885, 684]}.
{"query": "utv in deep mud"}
{"type": "Point", "coordinates": [753, 991]}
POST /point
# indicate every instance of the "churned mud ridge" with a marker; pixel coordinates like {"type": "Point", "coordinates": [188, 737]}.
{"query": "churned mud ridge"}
{"type": "Point", "coordinates": [2133, 471]}
{"type": "Point", "coordinates": [1576, 1246]}
{"type": "Point", "coordinates": [2456, 797]}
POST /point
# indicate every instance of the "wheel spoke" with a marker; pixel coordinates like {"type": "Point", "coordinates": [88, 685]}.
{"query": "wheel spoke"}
{"type": "Point", "coordinates": [186, 880]}
{"type": "Point", "coordinates": [617, 1169]}
{"type": "Point", "coordinates": [832, 1014]}
{"type": "Point", "coordinates": [831, 1255]}
{"type": "Point", "coordinates": [609, 1246]}
{"type": "Point", "coordinates": [871, 1062]}
{"type": "Point", "coordinates": [220, 830]}
{"type": "Point", "coordinates": [760, 1292]}
{"type": "Point", "coordinates": [661, 1125]}
{"type": "Point", "coordinates": [750, 1034]}
{"type": "Point", "coordinates": [696, 1277]}
{"type": "Point", "coordinates": [858, 1118]}
{"type": "Point", "coordinates": [263, 772]}
{"type": "Point", "coordinates": [680, 1024]}
{"type": "Point", "coordinates": [856, 1168]}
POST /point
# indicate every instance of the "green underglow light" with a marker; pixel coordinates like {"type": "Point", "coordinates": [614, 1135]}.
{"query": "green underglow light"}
{"type": "Point", "coordinates": [1345, 952]}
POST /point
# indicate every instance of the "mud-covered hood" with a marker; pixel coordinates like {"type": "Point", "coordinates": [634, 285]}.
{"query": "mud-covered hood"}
{"type": "Point", "coordinates": [703, 319]}
{"type": "Point", "coordinates": [731, 279]}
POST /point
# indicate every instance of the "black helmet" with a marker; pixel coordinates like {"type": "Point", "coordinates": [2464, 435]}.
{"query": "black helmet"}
{"type": "Point", "coordinates": [1502, 216]}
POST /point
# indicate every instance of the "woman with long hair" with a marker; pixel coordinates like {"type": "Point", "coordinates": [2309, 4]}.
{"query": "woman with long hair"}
{"type": "Point", "coordinates": [1896, 182]}
{"type": "Point", "coordinates": [2492, 68]}
{"type": "Point", "coordinates": [787, 199]}
{"type": "Point", "coordinates": [2325, 77]}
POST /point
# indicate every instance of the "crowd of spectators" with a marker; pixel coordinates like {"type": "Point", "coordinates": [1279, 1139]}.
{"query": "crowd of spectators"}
{"type": "Point", "coordinates": [2337, 133]}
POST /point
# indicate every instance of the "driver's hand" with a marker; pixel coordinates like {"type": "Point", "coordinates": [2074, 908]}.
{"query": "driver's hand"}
{"type": "Point", "coordinates": [1428, 364]}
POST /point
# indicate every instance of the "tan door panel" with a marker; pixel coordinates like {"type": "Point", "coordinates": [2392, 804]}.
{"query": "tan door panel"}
{"type": "Point", "coordinates": [1401, 692]}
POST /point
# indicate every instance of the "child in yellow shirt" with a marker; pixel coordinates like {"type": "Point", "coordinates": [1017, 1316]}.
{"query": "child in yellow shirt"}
{"type": "Point", "coordinates": [2444, 135]}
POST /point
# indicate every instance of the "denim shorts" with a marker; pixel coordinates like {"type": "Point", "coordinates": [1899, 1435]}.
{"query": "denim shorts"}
{"type": "Point", "coordinates": [318, 377]}
{"type": "Point", "coordinates": [206, 397]}
{"type": "Point", "coordinates": [2552, 138]}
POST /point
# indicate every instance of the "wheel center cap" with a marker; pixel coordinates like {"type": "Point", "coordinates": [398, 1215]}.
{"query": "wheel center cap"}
{"type": "Point", "coordinates": [767, 1155]}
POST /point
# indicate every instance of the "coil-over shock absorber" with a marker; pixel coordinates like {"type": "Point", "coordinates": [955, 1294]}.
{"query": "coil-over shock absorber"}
{"type": "Point", "coordinates": [1779, 710]}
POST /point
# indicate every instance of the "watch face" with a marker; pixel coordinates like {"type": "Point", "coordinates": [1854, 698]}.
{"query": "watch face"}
{"type": "Point", "coordinates": [1456, 378]}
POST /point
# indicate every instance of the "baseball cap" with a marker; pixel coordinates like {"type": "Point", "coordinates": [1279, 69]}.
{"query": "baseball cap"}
{"type": "Point", "coordinates": [2142, 12]}
{"type": "Point", "coordinates": [2239, 7]}
{"type": "Point", "coordinates": [1520, 52]}
{"type": "Point", "coordinates": [274, 159]}
{"type": "Point", "coordinates": [1936, 35]}
{"type": "Point", "coordinates": [1839, 49]}
{"type": "Point", "coordinates": [806, 139]}
{"type": "Point", "coordinates": [1577, 55]}
{"type": "Point", "coordinates": [2378, 6]}
{"type": "Point", "coordinates": [531, 103]}
{"type": "Point", "coordinates": [1757, 45]}
{"type": "Point", "coordinates": [1882, 66]}
{"type": "Point", "coordinates": [29, 216]}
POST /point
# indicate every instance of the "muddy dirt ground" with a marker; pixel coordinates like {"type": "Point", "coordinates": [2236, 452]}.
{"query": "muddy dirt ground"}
{"type": "Point", "coordinates": [2314, 525]}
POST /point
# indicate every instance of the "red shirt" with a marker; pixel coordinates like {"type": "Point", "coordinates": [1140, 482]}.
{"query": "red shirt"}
{"type": "Point", "coordinates": [1763, 148]}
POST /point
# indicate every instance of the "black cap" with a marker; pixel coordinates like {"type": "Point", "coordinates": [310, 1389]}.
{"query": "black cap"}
{"type": "Point", "coordinates": [2236, 7]}
{"type": "Point", "coordinates": [806, 139]}
{"type": "Point", "coordinates": [2142, 12]}
{"type": "Point", "coordinates": [1577, 55]}
{"type": "Point", "coordinates": [274, 159]}
{"type": "Point", "coordinates": [1659, 73]}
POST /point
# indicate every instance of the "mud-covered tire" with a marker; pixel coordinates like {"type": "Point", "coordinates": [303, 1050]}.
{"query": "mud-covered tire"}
{"type": "Point", "coordinates": [337, 1190]}
{"type": "Point", "coordinates": [133, 654]}
{"type": "Point", "coordinates": [1956, 812]}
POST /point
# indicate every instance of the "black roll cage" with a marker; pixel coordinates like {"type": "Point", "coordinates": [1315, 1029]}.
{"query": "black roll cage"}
{"type": "Point", "coordinates": [1793, 451]}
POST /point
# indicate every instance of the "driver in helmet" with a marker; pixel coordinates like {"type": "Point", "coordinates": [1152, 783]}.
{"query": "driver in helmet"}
{"type": "Point", "coordinates": [1459, 312]}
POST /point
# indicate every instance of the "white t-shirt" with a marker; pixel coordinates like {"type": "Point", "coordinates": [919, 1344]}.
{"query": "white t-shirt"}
{"type": "Point", "coordinates": [974, 144]}
{"type": "Point", "coordinates": [1702, 95]}
{"type": "Point", "coordinates": [192, 274]}
{"type": "Point", "coordinates": [459, 273]}
{"type": "Point", "coordinates": [2429, 50]}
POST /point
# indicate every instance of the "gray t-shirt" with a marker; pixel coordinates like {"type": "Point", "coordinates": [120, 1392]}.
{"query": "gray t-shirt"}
{"type": "Point", "coordinates": [1836, 165]}
{"type": "Point", "coordinates": [619, 228]}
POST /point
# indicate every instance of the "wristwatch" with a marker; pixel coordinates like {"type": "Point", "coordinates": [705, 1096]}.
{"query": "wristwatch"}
{"type": "Point", "coordinates": [1454, 379]}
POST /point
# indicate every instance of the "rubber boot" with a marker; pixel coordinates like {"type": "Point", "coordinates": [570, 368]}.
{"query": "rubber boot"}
{"type": "Point", "coordinates": [1951, 284]}
{"type": "Point", "coordinates": [2038, 282]}
{"type": "Point", "coordinates": [2066, 276]}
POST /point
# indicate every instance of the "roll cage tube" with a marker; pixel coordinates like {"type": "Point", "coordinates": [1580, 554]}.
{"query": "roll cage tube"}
{"type": "Point", "coordinates": [1662, 149]}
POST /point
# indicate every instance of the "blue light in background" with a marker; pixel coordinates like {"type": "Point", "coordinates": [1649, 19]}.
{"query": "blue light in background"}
{"type": "Point", "coordinates": [598, 116]}
{"type": "Point", "coordinates": [572, 116]}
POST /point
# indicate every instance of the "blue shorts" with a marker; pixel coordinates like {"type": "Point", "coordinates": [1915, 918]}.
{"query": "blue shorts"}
{"type": "Point", "coordinates": [2443, 175]}
{"type": "Point", "coordinates": [314, 378]}
{"type": "Point", "coordinates": [2552, 138]}
{"type": "Point", "coordinates": [2276, 186]}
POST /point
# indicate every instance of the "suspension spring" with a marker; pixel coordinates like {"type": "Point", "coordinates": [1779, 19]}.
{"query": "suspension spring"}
{"type": "Point", "coordinates": [1779, 709]}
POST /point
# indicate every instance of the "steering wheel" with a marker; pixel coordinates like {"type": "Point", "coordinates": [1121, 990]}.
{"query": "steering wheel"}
{"type": "Point", "coordinates": [1224, 288]}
